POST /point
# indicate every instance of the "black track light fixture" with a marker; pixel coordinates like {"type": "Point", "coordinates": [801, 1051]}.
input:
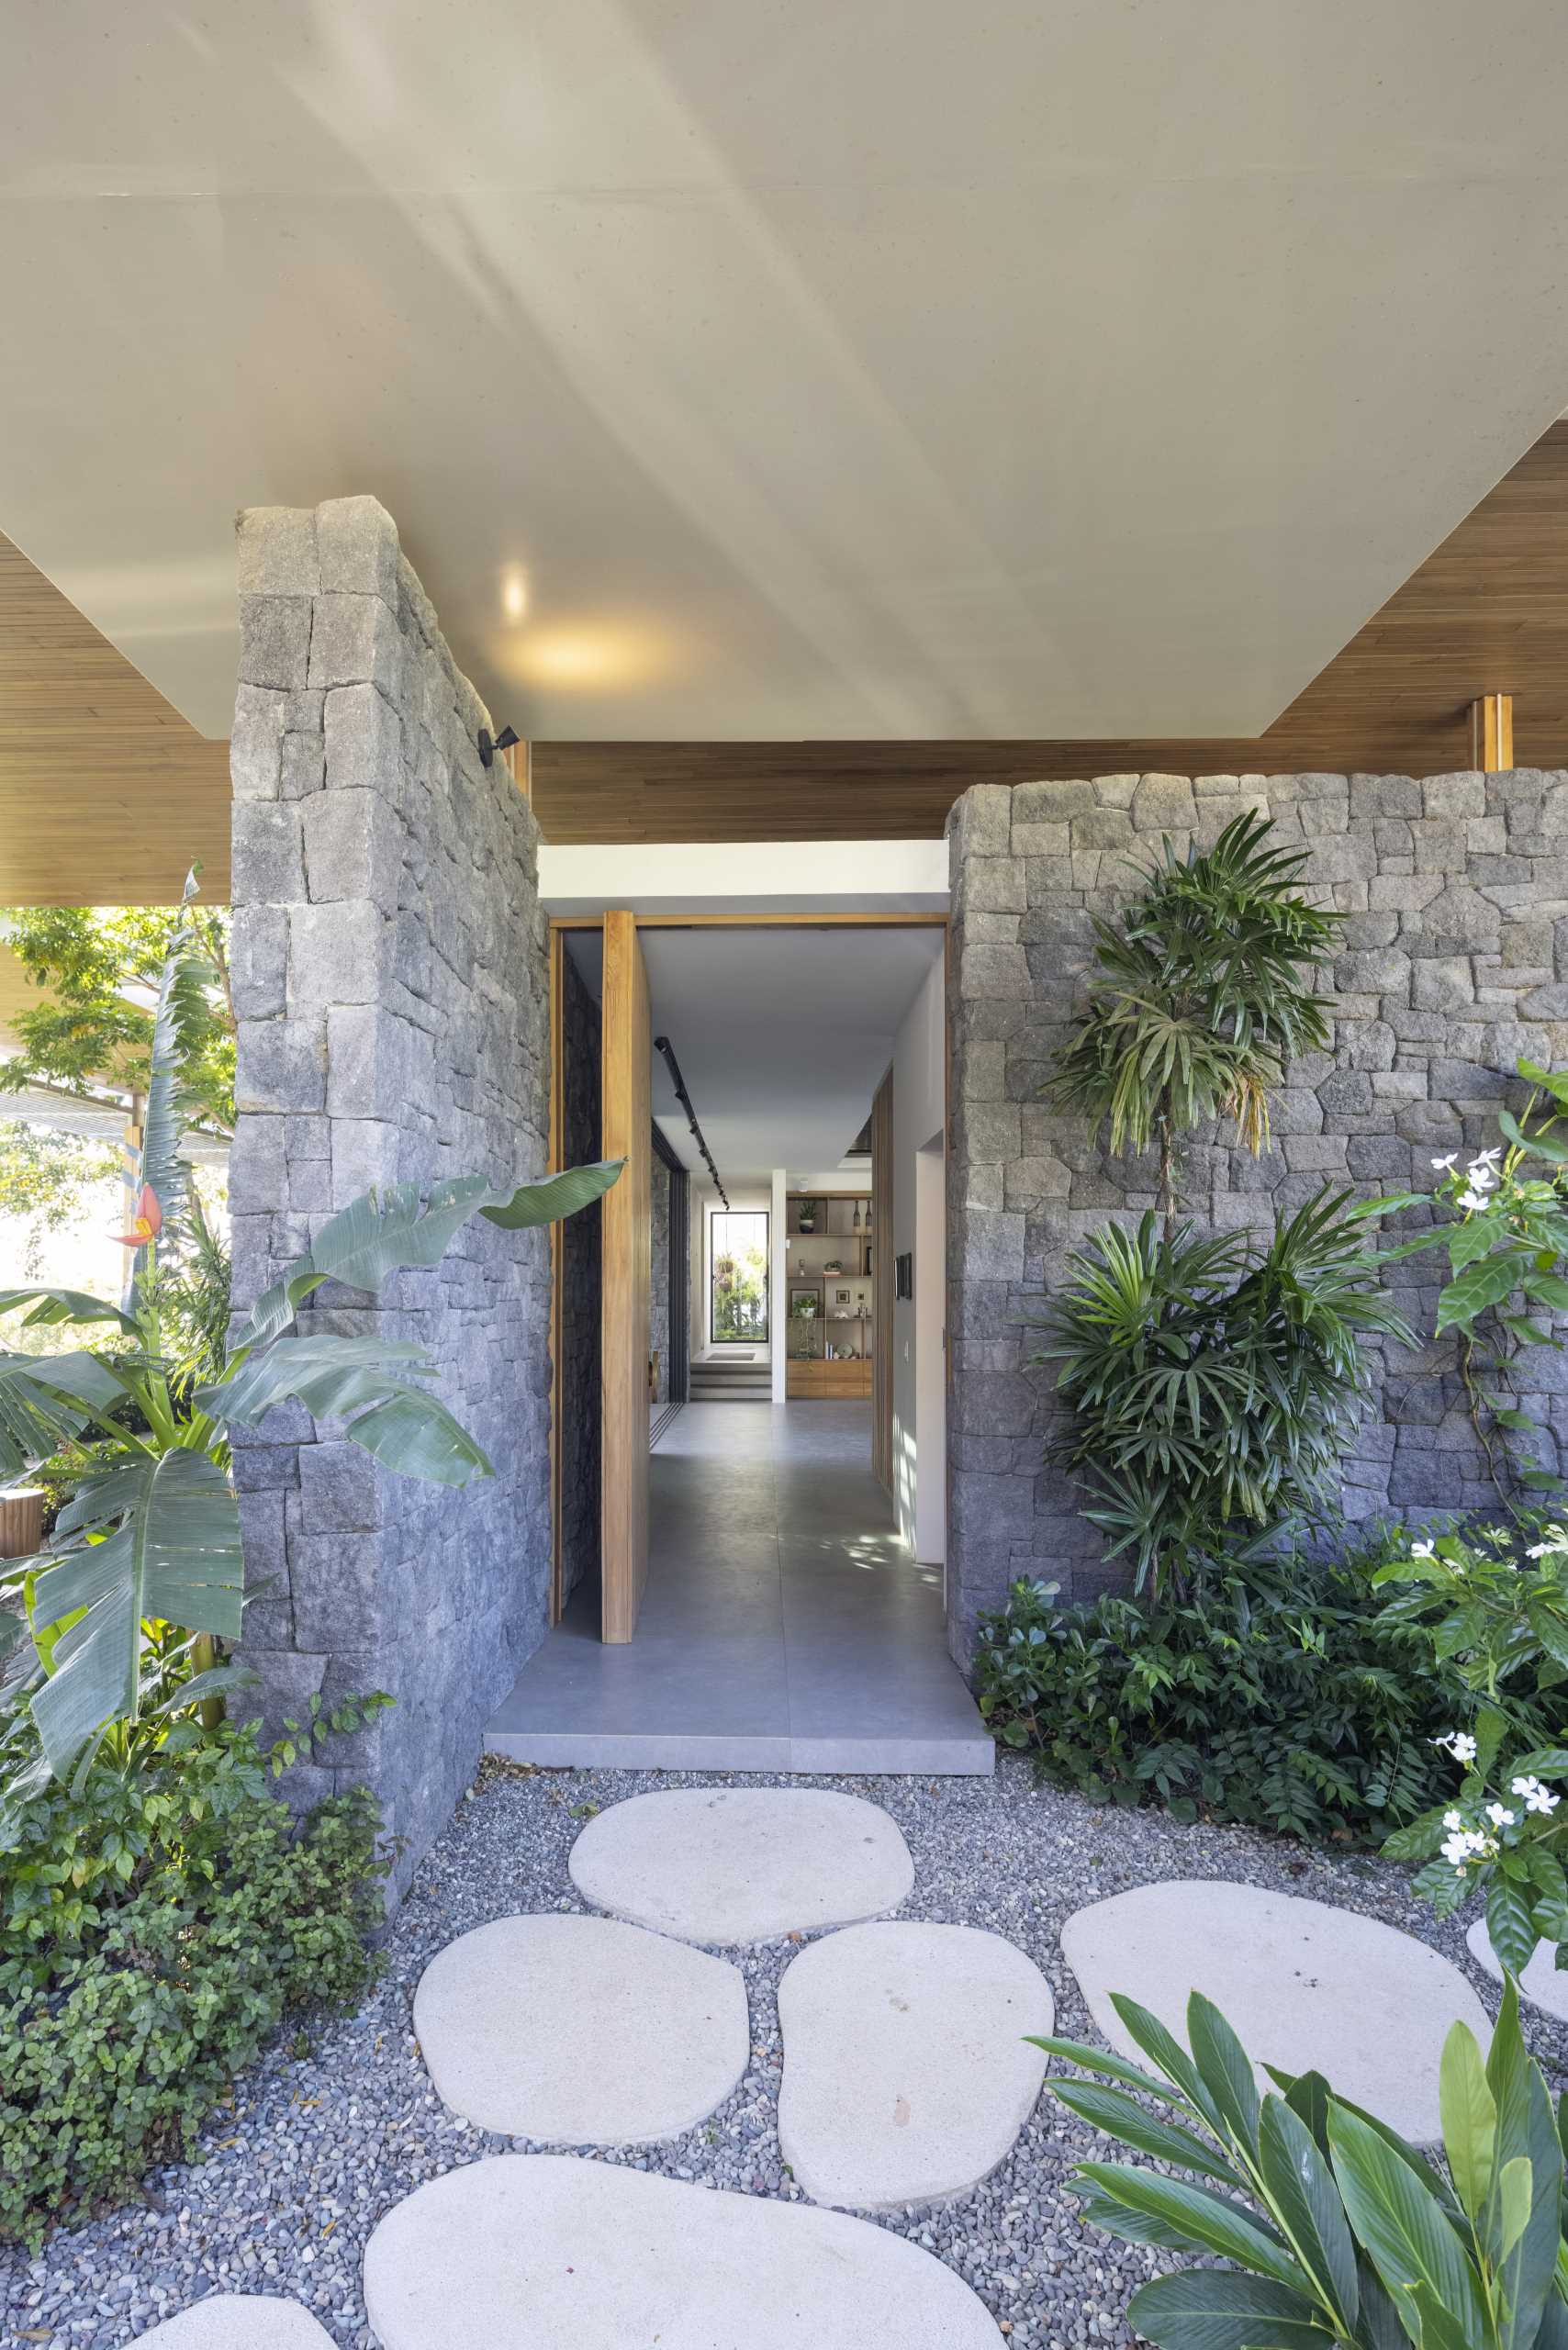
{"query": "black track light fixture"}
{"type": "Point", "coordinates": [488, 747]}
{"type": "Point", "coordinates": [662, 1045]}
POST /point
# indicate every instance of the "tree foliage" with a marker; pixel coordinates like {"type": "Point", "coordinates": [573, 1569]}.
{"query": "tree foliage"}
{"type": "Point", "coordinates": [98, 968]}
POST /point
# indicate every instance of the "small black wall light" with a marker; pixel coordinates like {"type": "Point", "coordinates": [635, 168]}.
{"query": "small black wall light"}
{"type": "Point", "coordinates": [502, 742]}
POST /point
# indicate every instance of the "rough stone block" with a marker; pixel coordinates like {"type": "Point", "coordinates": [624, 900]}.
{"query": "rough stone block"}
{"type": "Point", "coordinates": [993, 1245]}
{"type": "Point", "coordinates": [993, 885]}
{"type": "Point", "coordinates": [1455, 795]}
{"type": "Point", "coordinates": [1442, 983]}
{"type": "Point", "coordinates": [279, 1065]}
{"type": "Point", "coordinates": [338, 955]}
{"type": "Point", "coordinates": [268, 867]}
{"type": "Point", "coordinates": [255, 742]}
{"type": "Point", "coordinates": [258, 962]}
{"type": "Point", "coordinates": [338, 1492]}
{"type": "Point", "coordinates": [1164, 803]}
{"type": "Point", "coordinates": [357, 543]}
{"type": "Point", "coordinates": [994, 971]}
{"type": "Point", "coordinates": [275, 550]}
{"type": "Point", "coordinates": [365, 741]}
{"type": "Point", "coordinates": [980, 822]}
{"type": "Point", "coordinates": [353, 640]}
{"type": "Point", "coordinates": [352, 848]}
{"type": "Point", "coordinates": [275, 640]}
{"type": "Point", "coordinates": [368, 1063]}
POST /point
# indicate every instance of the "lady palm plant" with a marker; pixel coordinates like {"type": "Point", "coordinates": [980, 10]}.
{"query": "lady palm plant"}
{"type": "Point", "coordinates": [1203, 990]}
{"type": "Point", "coordinates": [145, 1573]}
{"type": "Point", "coordinates": [1212, 1385]}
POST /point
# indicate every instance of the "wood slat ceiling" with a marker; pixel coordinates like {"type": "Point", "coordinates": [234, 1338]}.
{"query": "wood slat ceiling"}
{"type": "Point", "coordinates": [107, 794]}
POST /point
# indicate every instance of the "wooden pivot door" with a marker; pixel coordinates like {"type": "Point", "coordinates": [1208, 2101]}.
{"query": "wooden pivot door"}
{"type": "Point", "coordinates": [627, 1269]}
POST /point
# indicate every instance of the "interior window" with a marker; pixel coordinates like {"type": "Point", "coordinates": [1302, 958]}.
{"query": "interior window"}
{"type": "Point", "coordinates": [737, 1294]}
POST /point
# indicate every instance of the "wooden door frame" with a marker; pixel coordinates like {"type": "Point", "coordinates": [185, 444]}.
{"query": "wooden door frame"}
{"type": "Point", "coordinates": [559, 925]}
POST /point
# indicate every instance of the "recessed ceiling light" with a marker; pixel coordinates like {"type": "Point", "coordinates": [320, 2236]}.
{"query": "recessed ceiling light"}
{"type": "Point", "coordinates": [514, 592]}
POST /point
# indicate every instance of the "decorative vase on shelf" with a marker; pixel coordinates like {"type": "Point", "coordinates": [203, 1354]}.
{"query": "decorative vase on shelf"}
{"type": "Point", "coordinates": [857, 1225]}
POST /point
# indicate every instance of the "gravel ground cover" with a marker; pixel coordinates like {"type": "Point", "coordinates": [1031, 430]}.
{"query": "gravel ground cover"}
{"type": "Point", "coordinates": [320, 2141]}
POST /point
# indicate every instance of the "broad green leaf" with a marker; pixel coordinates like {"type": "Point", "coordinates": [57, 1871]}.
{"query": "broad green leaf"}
{"type": "Point", "coordinates": [1556, 1086]}
{"type": "Point", "coordinates": [381, 1233]}
{"type": "Point", "coordinates": [1216, 2309]}
{"type": "Point", "coordinates": [162, 1123]}
{"type": "Point", "coordinates": [1225, 2067]}
{"type": "Point", "coordinates": [555, 1197]}
{"type": "Point", "coordinates": [1166, 2051]}
{"type": "Point", "coordinates": [1402, 2227]}
{"type": "Point", "coordinates": [176, 1558]}
{"type": "Point", "coordinates": [1102, 2060]}
{"type": "Point", "coordinates": [1468, 2118]}
{"type": "Point", "coordinates": [1437, 2327]}
{"type": "Point", "coordinates": [1509, 1924]}
{"type": "Point", "coordinates": [360, 1381]}
{"type": "Point", "coordinates": [1514, 2196]}
{"type": "Point", "coordinates": [1122, 2117]}
{"type": "Point", "coordinates": [42, 1402]}
{"type": "Point", "coordinates": [1306, 2201]}
{"type": "Point", "coordinates": [1526, 2128]}
{"type": "Point", "coordinates": [51, 1306]}
{"type": "Point", "coordinates": [1550, 1288]}
{"type": "Point", "coordinates": [1208, 2222]}
{"type": "Point", "coordinates": [1479, 1286]}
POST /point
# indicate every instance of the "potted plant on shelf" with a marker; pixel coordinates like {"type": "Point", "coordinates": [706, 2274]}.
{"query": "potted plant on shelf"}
{"type": "Point", "coordinates": [808, 1218]}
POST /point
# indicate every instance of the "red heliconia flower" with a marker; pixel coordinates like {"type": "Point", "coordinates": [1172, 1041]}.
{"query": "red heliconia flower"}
{"type": "Point", "coordinates": [149, 1221]}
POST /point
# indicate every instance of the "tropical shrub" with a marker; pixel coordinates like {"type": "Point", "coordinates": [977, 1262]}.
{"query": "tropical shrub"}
{"type": "Point", "coordinates": [148, 1543]}
{"type": "Point", "coordinates": [1493, 1607]}
{"type": "Point", "coordinates": [156, 1926]}
{"type": "Point", "coordinates": [1335, 2230]}
{"type": "Point", "coordinates": [1213, 1381]}
{"type": "Point", "coordinates": [1276, 1696]}
{"type": "Point", "coordinates": [1503, 1227]}
{"type": "Point", "coordinates": [1202, 989]}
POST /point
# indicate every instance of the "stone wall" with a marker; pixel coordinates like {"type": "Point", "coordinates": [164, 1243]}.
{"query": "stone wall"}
{"type": "Point", "coordinates": [658, 1281]}
{"type": "Point", "coordinates": [391, 987]}
{"type": "Point", "coordinates": [581, 1241]}
{"type": "Point", "coordinates": [1454, 966]}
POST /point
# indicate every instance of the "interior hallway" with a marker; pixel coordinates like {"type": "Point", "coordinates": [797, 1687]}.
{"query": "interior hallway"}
{"type": "Point", "coordinates": [784, 1626]}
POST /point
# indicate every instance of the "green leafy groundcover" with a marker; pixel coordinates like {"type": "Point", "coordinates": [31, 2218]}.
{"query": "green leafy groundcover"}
{"type": "Point", "coordinates": [1276, 1698]}
{"type": "Point", "coordinates": [154, 1931]}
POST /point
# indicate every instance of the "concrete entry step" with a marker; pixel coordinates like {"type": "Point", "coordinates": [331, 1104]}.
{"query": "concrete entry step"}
{"type": "Point", "coordinates": [239, 2321]}
{"type": "Point", "coordinates": [530, 2252]}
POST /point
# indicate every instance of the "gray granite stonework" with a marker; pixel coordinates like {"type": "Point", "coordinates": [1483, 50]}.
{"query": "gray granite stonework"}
{"type": "Point", "coordinates": [391, 987]}
{"type": "Point", "coordinates": [1454, 966]}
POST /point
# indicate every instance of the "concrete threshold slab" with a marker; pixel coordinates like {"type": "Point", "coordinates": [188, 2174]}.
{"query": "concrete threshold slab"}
{"type": "Point", "coordinates": [607, 1750]}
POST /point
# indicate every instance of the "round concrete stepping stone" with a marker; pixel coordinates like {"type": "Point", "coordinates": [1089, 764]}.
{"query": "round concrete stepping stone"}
{"type": "Point", "coordinates": [741, 1864]}
{"type": "Point", "coordinates": [1543, 1983]}
{"type": "Point", "coordinates": [581, 2032]}
{"type": "Point", "coordinates": [239, 2321]}
{"type": "Point", "coordinates": [906, 2073]}
{"type": "Point", "coordinates": [530, 2252]}
{"type": "Point", "coordinates": [1307, 1987]}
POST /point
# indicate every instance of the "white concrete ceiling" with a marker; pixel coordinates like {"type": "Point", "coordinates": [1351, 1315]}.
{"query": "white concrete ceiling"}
{"type": "Point", "coordinates": [1091, 368]}
{"type": "Point", "coordinates": [782, 1035]}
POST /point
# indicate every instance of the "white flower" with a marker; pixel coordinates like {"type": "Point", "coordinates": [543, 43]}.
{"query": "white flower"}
{"type": "Point", "coordinates": [1471, 1201]}
{"type": "Point", "coordinates": [1444, 1164]}
{"type": "Point", "coordinates": [1423, 1550]}
{"type": "Point", "coordinates": [1554, 1543]}
{"type": "Point", "coordinates": [1467, 1845]}
{"type": "Point", "coordinates": [1537, 1796]}
{"type": "Point", "coordinates": [1498, 1815]}
{"type": "Point", "coordinates": [1456, 1818]}
{"type": "Point", "coordinates": [1485, 1158]}
{"type": "Point", "coordinates": [1460, 1744]}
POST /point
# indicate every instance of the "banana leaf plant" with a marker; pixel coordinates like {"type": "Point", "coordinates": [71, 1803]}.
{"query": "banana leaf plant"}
{"type": "Point", "coordinates": [1336, 2230]}
{"type": "Point", "coordinates": [150, 1539]}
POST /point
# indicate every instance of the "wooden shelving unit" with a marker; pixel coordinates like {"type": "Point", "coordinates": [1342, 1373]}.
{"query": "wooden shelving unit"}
{"type": "Point", "coordinates": [838, 1231]}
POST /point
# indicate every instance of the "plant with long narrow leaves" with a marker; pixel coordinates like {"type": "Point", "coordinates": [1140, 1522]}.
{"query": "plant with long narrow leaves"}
{"type": "Point", "coordinates": [1213, 1384]}
{"type": "Point", "coordinates": [1334, 2228]}
{"type": "Point", "coordinates": [1204, 988]}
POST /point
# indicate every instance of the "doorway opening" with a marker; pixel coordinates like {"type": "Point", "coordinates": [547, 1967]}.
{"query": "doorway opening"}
{"type": "Point", "coordinates": [777, 1601]}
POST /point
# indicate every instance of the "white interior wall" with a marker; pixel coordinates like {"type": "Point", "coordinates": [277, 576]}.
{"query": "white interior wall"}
{"type": "Point", "coordinates": [919, 1117]}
